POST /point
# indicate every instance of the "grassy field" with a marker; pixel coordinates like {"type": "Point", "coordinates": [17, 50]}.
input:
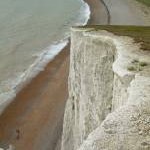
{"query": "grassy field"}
{"type": "Point", "coordinates": [141, 34]}
{"type": "Point", "coordinates": [146, 2]}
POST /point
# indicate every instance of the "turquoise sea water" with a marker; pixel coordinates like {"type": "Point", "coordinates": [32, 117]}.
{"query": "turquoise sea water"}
{"type": "Point", "coordinates": [27, 28]}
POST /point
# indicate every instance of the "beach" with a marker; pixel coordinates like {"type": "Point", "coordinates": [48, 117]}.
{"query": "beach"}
{"type": "Point", "coordinates": [34, 119]}
{"type": "Point", "coordinates": [33, 33]}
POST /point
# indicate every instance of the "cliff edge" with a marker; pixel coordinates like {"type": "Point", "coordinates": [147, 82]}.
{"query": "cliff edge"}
{"type": "Point", "coordinates": [109, 89]}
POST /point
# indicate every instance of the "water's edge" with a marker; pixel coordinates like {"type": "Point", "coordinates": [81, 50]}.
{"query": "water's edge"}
{"type": "Point", "coordinates": [39, 64]}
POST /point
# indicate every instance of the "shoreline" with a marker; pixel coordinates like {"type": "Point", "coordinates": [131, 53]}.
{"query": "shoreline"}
{"type": "Point", "coordinates": [99, 12]}
{"type": "Point", "coordinates": [39, 106]}
{"type": "Point", "coordinates": [47, 55]}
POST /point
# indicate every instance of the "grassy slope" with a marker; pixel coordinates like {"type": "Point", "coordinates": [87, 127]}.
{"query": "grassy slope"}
{"type": "Point", "coordinates": [141, 34]}
{"type": "Point", "coordinates": [147, 2]}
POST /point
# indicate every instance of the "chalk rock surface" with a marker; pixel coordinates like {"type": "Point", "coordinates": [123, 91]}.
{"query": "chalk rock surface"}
{"type": "Point", "coordinates": [109, 93]}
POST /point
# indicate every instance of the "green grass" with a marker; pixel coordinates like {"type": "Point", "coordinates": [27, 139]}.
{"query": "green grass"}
{"type": "Point", "coordinates": [146, 2]}
{"type": "Point", "coordinates": [131, 68]}
{"type": "Point", "coordinates": [137, 65]}
{"type": "Point", "coordinates": [140, 34]}
{"type": "Point", "coordinates": [143, 64]}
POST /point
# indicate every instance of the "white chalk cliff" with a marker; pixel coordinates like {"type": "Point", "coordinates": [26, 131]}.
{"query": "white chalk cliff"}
{"type": "Point", "coordinates": [109, 93]}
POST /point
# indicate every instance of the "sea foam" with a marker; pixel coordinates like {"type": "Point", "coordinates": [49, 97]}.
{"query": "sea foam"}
{"type": "Point", "coordinates": [13, 86]}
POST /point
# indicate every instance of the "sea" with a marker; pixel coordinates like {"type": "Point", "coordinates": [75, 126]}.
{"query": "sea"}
{"type": "Point", "coordinates": [32, 33]}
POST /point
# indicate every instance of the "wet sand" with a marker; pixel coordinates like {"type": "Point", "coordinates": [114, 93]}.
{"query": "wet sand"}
{"type": "Point", "coordinates": [33, 121]}
{"type": "Point", "coordinates": [99, 13]}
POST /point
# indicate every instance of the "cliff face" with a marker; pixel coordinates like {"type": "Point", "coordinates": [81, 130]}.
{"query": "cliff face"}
{"type": "Point", "coordinates": [109, 98]}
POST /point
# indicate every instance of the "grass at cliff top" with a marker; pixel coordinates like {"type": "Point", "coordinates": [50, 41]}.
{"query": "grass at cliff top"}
{"type": "Point", "coordinates": [146, 2]}
{"type": "Point", "coordinates": [141, 34]}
